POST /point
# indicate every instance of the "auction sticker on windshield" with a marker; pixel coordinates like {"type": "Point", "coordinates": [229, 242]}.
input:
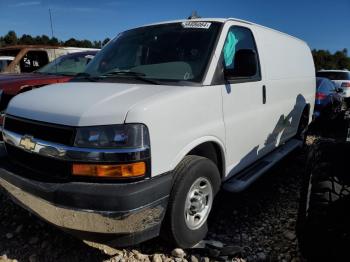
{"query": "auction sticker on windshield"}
{"type": "Point", "coordinates": [192, 24]}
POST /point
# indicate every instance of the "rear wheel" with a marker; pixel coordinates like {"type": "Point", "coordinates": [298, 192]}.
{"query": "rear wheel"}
{"type": "Point", "coordinates": [197, 180]}
{"type": "Point", "coordinates": [324, 217]}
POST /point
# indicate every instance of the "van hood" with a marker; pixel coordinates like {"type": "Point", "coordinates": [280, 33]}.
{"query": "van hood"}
{"type": "Point", "coordinates": [82, 104]}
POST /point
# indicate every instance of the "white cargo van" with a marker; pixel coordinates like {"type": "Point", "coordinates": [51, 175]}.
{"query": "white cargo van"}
{"type": "Point", "coordinates": [163, 117]}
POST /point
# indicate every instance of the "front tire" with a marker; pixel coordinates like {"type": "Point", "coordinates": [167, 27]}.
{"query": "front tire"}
{"type": "Point", "coordinates": [197, 180]}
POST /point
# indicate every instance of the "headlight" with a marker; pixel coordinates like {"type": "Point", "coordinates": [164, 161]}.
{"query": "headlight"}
{"type": "Point", "coordinates": [114, 136]}
{"type": "Point", "coordinates": [134, 164]}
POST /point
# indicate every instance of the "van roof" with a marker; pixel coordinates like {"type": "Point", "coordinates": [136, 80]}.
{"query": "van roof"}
{"type": "Point", "coordinates": [224, 20]}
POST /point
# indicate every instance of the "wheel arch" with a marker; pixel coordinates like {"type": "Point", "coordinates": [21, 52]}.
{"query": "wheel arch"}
{"type": "Point", "coordinates": [209, 147]}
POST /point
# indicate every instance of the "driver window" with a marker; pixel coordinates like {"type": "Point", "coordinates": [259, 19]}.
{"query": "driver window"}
{"type": "Point", "coordinates": [240, 56]}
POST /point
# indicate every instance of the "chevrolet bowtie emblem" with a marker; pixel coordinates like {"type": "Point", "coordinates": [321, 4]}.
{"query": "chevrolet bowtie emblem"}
{"type": "Point", "coordinates": [27, 143]}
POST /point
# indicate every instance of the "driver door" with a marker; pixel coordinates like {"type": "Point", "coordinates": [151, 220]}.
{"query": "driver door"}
{"type": "Point", "coordinates": [244, 100]}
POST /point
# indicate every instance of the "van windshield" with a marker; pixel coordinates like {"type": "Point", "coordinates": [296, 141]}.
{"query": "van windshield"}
{"type": "Point", "coordinates": [169, 52]}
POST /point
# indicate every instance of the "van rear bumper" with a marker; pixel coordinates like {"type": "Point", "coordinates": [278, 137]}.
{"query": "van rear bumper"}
{"type": "Point", "coordinates": [79, 207]}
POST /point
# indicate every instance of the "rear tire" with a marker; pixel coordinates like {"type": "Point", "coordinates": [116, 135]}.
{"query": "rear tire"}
{"type": "Point", "coordinates": [197, 180]}
{"type": "Point", "coordinates": [324, 219]}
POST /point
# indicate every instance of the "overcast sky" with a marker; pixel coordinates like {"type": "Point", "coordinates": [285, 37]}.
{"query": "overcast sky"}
{"type": "Point", "coordinates": [323, 24]}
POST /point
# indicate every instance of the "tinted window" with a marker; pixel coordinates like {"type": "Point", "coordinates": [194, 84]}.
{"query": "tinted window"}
{"type": "Point", "coordinates": [325, 86]}
{"type": "Point", "coordinates": [11, 52]}
{"type": "Point", "coordinates": [334, 75]}
{"type": "Point", "coordinates": [33, 60]}
{"type": "Point", "coordinates": [330, 85]}
{"type": "Point", "coordinates": [4, 64]}
{"type": "Point", "coordinates": [68, 64]}
{"type": "Point", "coordinates": [172, 52]}
{"type": "Point", "coordinates": [240, 53]}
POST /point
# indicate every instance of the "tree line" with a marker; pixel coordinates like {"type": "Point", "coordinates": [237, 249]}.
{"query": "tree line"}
{"type": "Point", "coordinates": [11, 39]}
{"type": "Point", "coordinates": [323, 59]}
{"type": "Point", "coordinates": [326, 60]}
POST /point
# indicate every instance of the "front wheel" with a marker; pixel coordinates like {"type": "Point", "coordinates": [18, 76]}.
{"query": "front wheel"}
{"type": "Point", "coordinates": [197, 180]}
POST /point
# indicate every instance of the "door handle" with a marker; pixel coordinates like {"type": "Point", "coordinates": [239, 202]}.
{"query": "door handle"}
{"type": "Point", "coordinates": [264, 94]}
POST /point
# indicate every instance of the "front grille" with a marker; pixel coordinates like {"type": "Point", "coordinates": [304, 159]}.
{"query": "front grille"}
{"type": "Point", "coordinates": [40, 130]}
{"type": "Point", "coordinates": [40, 166]}
{"type": "Point", "coordinates": [4, 101]}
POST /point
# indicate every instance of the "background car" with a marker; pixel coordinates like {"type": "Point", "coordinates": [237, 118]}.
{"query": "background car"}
{"type": "Point", "coordinates": [60, 70]}
{"type": "Point", "coordinates": [341, 78]}
{"type": "Point", "coordinates": [329, 99]}
{"type": "Point", "coordinates": [5, 61]}
{"type": "Point", "coordinates": [28, 58]}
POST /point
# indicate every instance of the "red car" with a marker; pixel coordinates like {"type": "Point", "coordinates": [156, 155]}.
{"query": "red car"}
{"type": "Point", "coordinates": [60, 70]}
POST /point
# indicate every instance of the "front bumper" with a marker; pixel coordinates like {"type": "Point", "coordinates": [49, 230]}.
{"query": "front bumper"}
{"type": "Point", "coordinates": [132, 212]}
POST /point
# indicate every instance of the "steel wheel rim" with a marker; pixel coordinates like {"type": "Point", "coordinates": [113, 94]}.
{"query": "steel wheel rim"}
{"type": "Point", "coordinates": [198, 203]}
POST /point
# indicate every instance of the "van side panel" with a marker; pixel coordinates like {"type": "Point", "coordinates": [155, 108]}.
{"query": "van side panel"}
{"type": "Point", "coordinates": [285, 56]}
{"type": "Point", "coordinates": [289, 75]}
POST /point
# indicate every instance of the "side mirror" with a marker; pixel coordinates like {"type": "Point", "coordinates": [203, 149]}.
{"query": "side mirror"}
{"type": "Point", "coordinates": [245, 65]}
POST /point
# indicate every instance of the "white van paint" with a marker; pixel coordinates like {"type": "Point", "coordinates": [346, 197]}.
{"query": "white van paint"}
{"type": "Point", "coordinates": [289, 75]}
{"type": "Point", "coordinates": [287, 72]}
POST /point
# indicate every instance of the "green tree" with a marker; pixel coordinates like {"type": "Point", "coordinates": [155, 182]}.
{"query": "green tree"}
{"type": "Point", "coordinates": [26, 40]}
{"type": "Point", "coordinates": [71, 42]}
{"type": "Point", "coordinates": [37, 40]}
{"type": "Point", "coordinates": [105, 41]}
{"type": "Point", "coordinates": [45, 40]}
{"type": "Point", "coordinates": [10, 38]}
{"type": "Point", "coordinates": [326, 60]}
{"type": "Point", "coordinates": [54, 41]}
{"type": "Point", "coordinates": [85, 43]}
{"type": "Point", "coordinates": [97, 44]}
{"type": "Point", "coordinates": [2, 42]}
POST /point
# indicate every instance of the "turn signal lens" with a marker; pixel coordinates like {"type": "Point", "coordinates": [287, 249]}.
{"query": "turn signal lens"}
{"type": "Point", "coordinates": [110, 171]}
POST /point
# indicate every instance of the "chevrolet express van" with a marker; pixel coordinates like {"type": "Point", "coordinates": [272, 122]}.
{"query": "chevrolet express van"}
{"type": "Point", "coordinates": [163, 117]}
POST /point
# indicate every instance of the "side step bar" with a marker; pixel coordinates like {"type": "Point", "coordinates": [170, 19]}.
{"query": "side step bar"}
{"type": "Point", "coordinates": [245, 178]}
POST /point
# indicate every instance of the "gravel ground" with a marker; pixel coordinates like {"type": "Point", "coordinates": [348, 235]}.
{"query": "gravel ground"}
{"type": "Point", "coordinates": [257, 225]}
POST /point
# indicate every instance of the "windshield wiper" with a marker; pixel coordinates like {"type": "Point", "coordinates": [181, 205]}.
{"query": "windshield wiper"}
{"type": "Point", "coordinates": [82, 75]}
{"type": "Point", "coordinates": [50, 73]}
{"type": "Point", "coordinates": [86, 76]}
{"type": "Point", "coordinates": [130, 74]}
